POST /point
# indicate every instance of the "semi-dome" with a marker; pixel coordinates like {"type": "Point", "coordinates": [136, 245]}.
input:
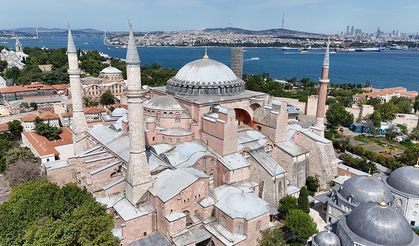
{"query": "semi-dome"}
{"type": "Point", "coordinates": [111, 70]}
{"type": "Point", "coordinates": [405, 179]}
{"type": "Point", "coordinates": [205, 77]}
{"type": "Point", "coordinates": [380, 224]}
{"type": "Point", "coordinates": [362, 189]}
{"type": "Point", "coordinates": [166, 102]}
{"type": "Point", "coordinates": [326, 238]}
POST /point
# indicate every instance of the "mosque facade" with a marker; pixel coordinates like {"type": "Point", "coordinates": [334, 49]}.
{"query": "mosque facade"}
{"type": "Point", "coordinates": [14, 58]}
{"type": "Point", "coordinates": [201, 161]}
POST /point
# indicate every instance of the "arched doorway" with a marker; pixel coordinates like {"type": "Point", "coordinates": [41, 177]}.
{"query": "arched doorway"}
{"type": "Point", "coordinates": [243, 117]}
{"type": "Point", "coordinates": [255, 106]}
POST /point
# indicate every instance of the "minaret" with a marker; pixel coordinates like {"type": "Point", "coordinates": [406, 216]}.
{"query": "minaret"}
{"type": "Point", "coordinates": [321, 103]}
{"type": "Point", "coordinates": [138, 178]}
{"type": "Point", "coordinates": [18, 45]}
{"type": "Point", "coordinates": [79, 120]}
{"type": "Point", "coordinates": [237, 61]}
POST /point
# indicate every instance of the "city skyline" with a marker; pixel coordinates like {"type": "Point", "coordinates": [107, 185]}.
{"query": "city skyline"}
{"type": "Point", "coordinates": [320, 16]}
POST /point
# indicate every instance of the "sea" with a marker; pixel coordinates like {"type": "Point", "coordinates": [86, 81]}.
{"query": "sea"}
{"type": "Point", "coordinates": [389, 68]}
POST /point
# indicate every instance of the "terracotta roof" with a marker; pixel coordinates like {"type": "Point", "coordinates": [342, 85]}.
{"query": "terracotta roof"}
{"type": "Point", "coordinates": [67, 114]}
{"type": "Point", "coordinates": [94, 110]}
{"type": "Point", "coordinates": [4, 127]}
{"type": "Point", "coordinates": [29, 118]}
{"type": "Point", "coordinates": [387, 91]}
{"type": "Point", "coordinates": [61, 87]}
{"type": "Point", "coordinates": [34, 86]}
{"type": "Point", "coordinates": [45, 147]}
{"type": "Point", "coordinates": [43, 116]}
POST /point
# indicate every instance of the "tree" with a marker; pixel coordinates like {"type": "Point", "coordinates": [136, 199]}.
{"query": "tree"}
{"type": "Point", "coordinates": [12, 73]}
{"type": "Point", "coordinates": [410, 155]}
{"type": "Point", "coordinates": [34, 105]}
{"type": "Point", "coordinates": [287, 203]}
{"type": "Point", "coordinates": [415, 133]}
{"type": "Point", "coordinates": [388, 111]}
{"type": "Point", "coordinates": [404, 104]}
{"type": "Point", "coordinates": [88, 103]}
{"type": "Point", "coordinates": [312, 184]}
{"type": "Point", "coordinates": [107, 98]}
{"type": "Point", "coordinates": [20, 154]}
{"type": "Point", "coordinates": [42, 213]}
{"type": "Point", "coordinates": [376, 118]}
{"type": "Point", "coordinates": [416, 104]}
{"type": "Point", "coordinates": [24, 105]}
{"type": "Point", "coordinates": [391, 133]}
{"type": "Point", "coordinates": [337, 115]}
{"type": "Point", "coordinates": [15, 128]}
{"type": "Point", "coordinates": [7, 142]}
{"type": "Point", "coordinates": [300, 224]}
{"type": "Point", "coordinates": [3, 65]}
{"type": "Point", "coordinates": [44, 129]}
{"type": "Point", "coordinates": [22, 171]}
{"type": "Point", "coordinates": [272, 237]}
{"type": "Point", "coordinates": [303, 202]}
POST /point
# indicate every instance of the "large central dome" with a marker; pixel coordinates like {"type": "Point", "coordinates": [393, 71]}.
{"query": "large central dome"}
{"type": "Point", "coordinates": [205, 77]}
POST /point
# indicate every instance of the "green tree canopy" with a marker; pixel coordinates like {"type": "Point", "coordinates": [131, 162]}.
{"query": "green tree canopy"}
{"type": "Point", "coordinates": [410, 155]}
{"type": "Point", "coordinates": [272, 237]}
{"type": "Point", "coordinates": [312, 184]}
{"type": "Point", "coordinates": [337, 115]}
{"type": "Point", "coordinates": [3, 65]}
{"type": "Point", "coordinates": [42, 213]}
{"type": "Point", "coordinates": [15, 128]}
{"type": "Point", "coordinates": [7, 142]}
{"type": "Point", "coordinates": [44, 129]}
{"type": "Point", "coordinates": [107, 98]}
{"type": "Point", "coordinates": [376, 118]}
{"type": "Point", "coordinates": [404, 104]}
{"type": "Point", "coordinates": [20, 153]}
{"type": "Point", "coordinates": [300, 224]}
{"type": "Point", "coordinates": [286, 204]}
{"type": "Point", "coordinates": [303, 202]}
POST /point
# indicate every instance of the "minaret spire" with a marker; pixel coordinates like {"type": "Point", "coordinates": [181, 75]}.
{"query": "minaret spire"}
{"type": "Point", "coordinates": [79, 120]}
{"type": "Point", "coordinates": [321, 103]}
{"type": "Point", "coordinates": [138, 178]}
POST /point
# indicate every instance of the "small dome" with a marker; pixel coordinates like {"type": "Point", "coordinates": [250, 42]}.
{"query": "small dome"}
{"type": "Point", "coordinates": [380, 224]}
{"type": "Point", "coordinates": [205, 76]}
{"type": "Point", "coordinates": [405, 179]}
{"type": "Point", "coordinates": [111, 70]}
{"type": "Point", "coordinates": [362, 189]}
{"type": "Point", "coordinates": [119, 112]}
{"type": "Point", "coordinates": [326, 238]}
{"type": "Point", "coordinates": [165, 102]}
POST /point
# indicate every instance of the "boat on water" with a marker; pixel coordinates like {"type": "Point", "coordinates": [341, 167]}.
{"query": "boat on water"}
{"type": "Point", "coordinates": [372, 49]}
{"type": "Point", "coordinates": [85, 43]}
{"type": "Point", "coordinates": [288, 48]}
{"type": "Point", "coordinates": [303, 51]}
{"type": "Point", "coordinates": [254, 59]}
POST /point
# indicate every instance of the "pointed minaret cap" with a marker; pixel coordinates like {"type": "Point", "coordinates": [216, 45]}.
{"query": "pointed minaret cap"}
{"type": "Point", "coordinates": [132, 52]}
{"type": "Point", "coordinates": [206, 53]}
{"type": "Point", "coordinates": [326, 54]}
{"type": "Point", "coordinates": [17, 41]}
{"type": "Point", "coordinates": [71, 47]}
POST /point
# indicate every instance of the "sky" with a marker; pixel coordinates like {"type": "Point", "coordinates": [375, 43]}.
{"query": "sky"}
{"type": "Point", "coordinates": [320, 16]}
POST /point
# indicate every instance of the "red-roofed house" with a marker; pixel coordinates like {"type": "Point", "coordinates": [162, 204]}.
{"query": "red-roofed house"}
{"type": "Point", "coordinates": [386, 94]}
{"type": "Point", "coordinates": [28, 121]}
{"type": "Point", "coordinates": [46, 150]}
{"type": "Point", "coordinates": [93, 116]}
{"type": "Point", "coordinates": [17, 92]}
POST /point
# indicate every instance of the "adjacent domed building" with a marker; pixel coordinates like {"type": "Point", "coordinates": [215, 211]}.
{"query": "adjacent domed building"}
{"type": "Point", "coordinates": [205, 77]}
{"type": "Point", "coordinates": [355, 191]}
{"type": "Point", "coordinates": [326, 238]}
{"type": "Point", "coordinates": [374, 224]}
{"type": "Point", "coordinates": [110, 78]}
{"type": "Point", "coordinates": [404, 184]}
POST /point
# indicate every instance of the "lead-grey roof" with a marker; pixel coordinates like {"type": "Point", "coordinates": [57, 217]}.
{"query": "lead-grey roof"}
{"type": "Point", "coordinates": [363, 189]}
{"type": "Point", "coordinates": [381, 225]}
{"type": "Point", "coordinates": [239, 202]}
{"type": "Point", "coordinates": [267, 162]}
{"type": "Point", "coordinates": [154, 239]}
{"type": "Point", "coordinates": [166, 102]}
{"type": "Point", "coordinates": [292, 148]}
{"type": "Point", "coordinates": [327, 238]}
{"type": "Point", "coordinates": [405, 179]}
{"type": "Point", "coordinates": [187, 154]}
{"type": "Point", "coordinates": [169, 183]}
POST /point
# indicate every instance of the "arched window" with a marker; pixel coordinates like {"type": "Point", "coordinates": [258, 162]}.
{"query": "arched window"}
{"type": "Point", "coordinates": [240, 228]}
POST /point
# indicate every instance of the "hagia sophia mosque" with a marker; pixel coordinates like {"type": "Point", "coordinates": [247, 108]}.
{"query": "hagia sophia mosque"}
{"type": "Point", "coordinates": [203, 161]}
